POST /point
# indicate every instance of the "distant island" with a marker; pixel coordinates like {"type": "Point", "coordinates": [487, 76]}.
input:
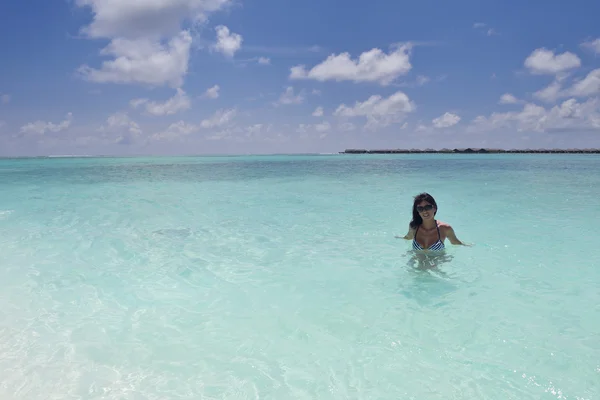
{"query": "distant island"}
{"type": "Point", "coordinates": [470, 151]}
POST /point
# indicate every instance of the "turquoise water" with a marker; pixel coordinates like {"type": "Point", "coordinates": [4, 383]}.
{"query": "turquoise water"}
{"type": "Point", "coordinates": [279, 277]}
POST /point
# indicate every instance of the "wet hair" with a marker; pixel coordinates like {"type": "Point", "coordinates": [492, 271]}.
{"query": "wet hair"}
{"type": "Point", "coordinates": [417, 220]}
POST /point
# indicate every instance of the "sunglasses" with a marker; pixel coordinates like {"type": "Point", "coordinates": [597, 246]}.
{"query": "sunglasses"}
{"type": "Point", "coordinates": [426, 208]}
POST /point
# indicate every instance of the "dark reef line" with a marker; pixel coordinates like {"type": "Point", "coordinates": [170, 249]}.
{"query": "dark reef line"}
{"type": "Point", "coordinates": [469, 151]}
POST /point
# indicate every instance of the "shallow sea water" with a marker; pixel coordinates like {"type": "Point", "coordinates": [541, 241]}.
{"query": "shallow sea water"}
{"type": "Point", "coordinates": [279, 277]}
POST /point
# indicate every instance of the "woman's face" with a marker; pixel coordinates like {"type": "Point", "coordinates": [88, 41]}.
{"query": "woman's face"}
{"type": "Point", "coordinates": [426, 210]}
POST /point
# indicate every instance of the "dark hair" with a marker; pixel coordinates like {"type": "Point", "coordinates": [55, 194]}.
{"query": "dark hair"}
{"type": "Point", "coordinates": [417, 220]}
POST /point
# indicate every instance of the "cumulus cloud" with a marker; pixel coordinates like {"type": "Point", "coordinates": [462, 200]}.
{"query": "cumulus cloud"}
{"type": "Point", "coordinates": [179, 102]}
{"type": "Point", "coordinates": [371, 66]}
{"type": "Point", "coordinates": [176, 131]}
{"type": "Point", "coordinates": [314, 131]}
{"type": "Point", "coordinates": [550, 93]}
{"type": "Point", "coordinates": [544, 62]}
{"type": "Point", "coordinates": [220, 118]}
{"type": "Point", "coordinates": [227, 43]}
{"type": "Point", "coordinates": [213, 92]}
{"type": "Point", "coordinates": [508, 98]}
{"type": "Point", "coordinates": [127, 130]}
{"type": "Point", "coordinates": [147, 19]}
{"type": "Point", "coordinates": [592, 45]}
{"type": "Point", "coordinates": [379, 111]}
{"type": "Point", "coordinates": [41, 127]}
{"type": "Point", "coordinates": [588, 86]}
{"type": "Point", "coordinates": [323, 127]}
{"type": "Point", "coordinates": [318, 112]}
{"type": "Point", "coordinates": [346, 127]}
{"type": "Point", "coordinates": [445, 121]}
{"type": "Point", "coordinates": [147, 44]}
{"type": "Point", "coordinates": [290, 97]}
{"type": "Point", "coordinates": [569, 115]}
{"type": "Point", "coordinates": [143, 61]}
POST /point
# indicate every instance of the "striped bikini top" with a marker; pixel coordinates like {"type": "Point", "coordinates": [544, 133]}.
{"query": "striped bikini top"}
{"type": "Point", "coordinates": [437, 246]}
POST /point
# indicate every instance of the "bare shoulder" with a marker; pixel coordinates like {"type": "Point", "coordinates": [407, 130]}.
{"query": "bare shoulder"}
{"type": "Point", "coordinates": [444, 225]}
{"type": "Point", "coordinates": [448, 231]}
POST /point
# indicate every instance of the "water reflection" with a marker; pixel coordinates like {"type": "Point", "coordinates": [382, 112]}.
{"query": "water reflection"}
{"type": "Point", "coordinates": [429, 285]}
{"type": "Point", "coordinates": [428, 261]}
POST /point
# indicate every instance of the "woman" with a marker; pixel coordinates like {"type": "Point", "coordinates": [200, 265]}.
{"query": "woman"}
{"type": "Point", "coordinates": [424, 230]}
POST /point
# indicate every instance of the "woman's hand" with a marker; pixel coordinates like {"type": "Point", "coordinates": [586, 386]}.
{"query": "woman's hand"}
{"type": "Point", "coordinates": [408, 236]}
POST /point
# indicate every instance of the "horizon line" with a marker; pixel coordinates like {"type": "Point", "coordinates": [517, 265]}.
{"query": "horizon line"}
{"type": "Point", "coordinates": [461, 150]}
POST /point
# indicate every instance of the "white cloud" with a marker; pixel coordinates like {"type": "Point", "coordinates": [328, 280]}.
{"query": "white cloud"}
{"type": "Point", "coordinates": [143, 61]}
{"type": "Point", "coordinates": [41, 127]}
{"type": "Point", "coordinates": [148, 45]}
{"type": "Point", "coordinates": [318, 112]}
{"type": "Point", "coordinates": [121, 124]}
{"type": "Point", "coordinates": [220, 118]}
{"type": "Point", "coordinates": [179, 102]}
{"type": "Point", "coordinates": [176, 130]}
{"type": "Point", "coordinates": [550, 93]}
{"type": "Point", "coordinates": [323, 127]}
{"type": "Point", "coordinates": [422, 79]}
{"type": "Point", "coordinates": [252, 130]}
{"type": "Point", "coordinates": [213, 92]}
{"type": "Point", "coordinates": [379, 111]}
{"type": "Point", "coordinates": [371, 66]}
{"type": "Point", "coordinates": [527, 118]}
{"type": "Point", "coordinates": [445, 121]}
{"type": "Point", "coordinates": [309, 131]}
{"type": "Point", "coordinates": [289, 97]}
{"type": "Point", "coordinates": [592, 45]}
{"type": "Point", "coordinates": [135, 103]}
{"type": "Point", "coordinates": [252, 133]}
{"type": "Point", "coordinates": [544, 62]}
{"type": "Point", "coordinates": [346, 127]}
{"type": "Point", "coordinates": [508, 98]}
{"type": "Point", "coordinates": [481, 25]}
{"type": "Point", "coordinates": [588, 86]}
{"type": "Point", "coordinates": [569, 115]}
{"type": "Point", "coordinates": [264, 60]}
{"type": "Point", "coordinates": [150, 18]}
{"type": "Point", "coordinates": [262, 133]}
{"type": "Point", "coordinates": [5, 99]}
{"type": "Point", "coordinates": [121, 119]}
{"type": "Point", "coordinates": [227, 43]}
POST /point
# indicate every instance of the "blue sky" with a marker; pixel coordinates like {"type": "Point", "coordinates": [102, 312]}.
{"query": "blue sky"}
{"type": "Point", "coordinates": [235, 76]}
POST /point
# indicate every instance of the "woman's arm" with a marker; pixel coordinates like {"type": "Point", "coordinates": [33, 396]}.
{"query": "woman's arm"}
{"type": "Point", "coordinates": [409, 236]}
{"type": "Point", "coordinates": [451, 235]}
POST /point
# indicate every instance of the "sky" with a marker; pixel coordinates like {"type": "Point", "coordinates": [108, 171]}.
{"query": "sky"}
{"type": "Point", "coordinates": [182, 77]}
